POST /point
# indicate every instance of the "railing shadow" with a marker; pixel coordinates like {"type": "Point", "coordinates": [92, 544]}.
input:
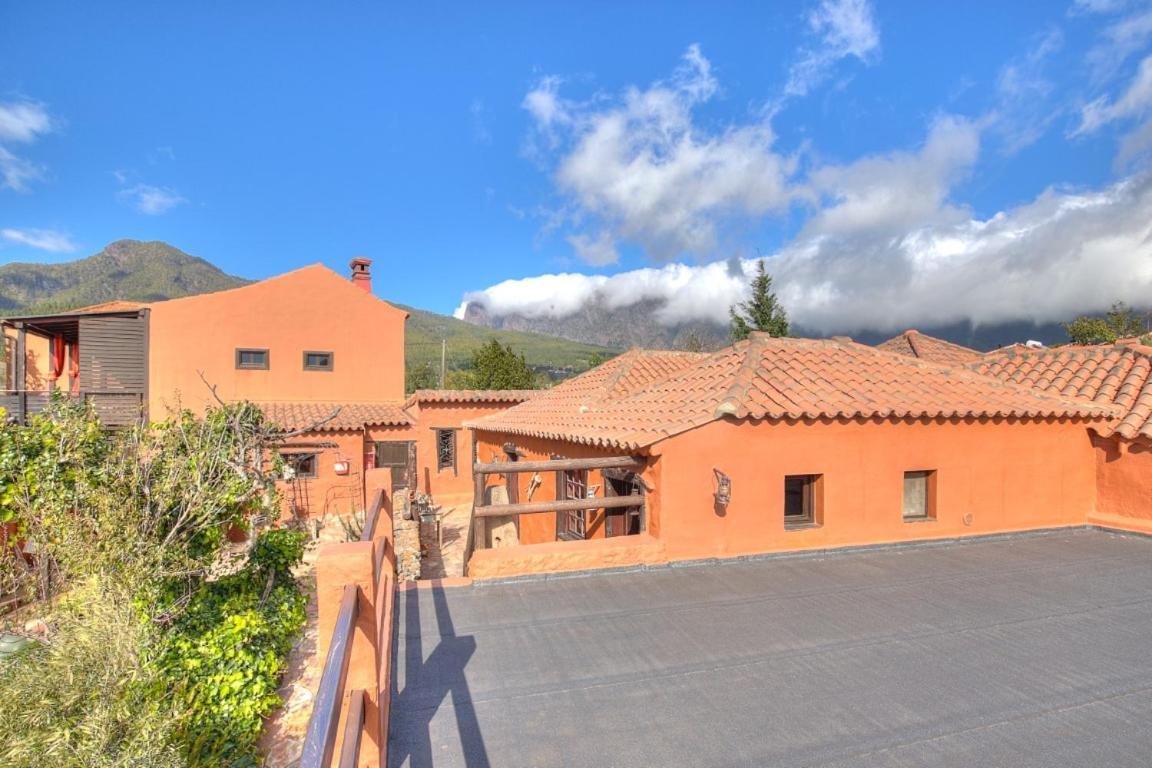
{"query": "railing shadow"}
{"type": "Point", "coordinates": [427, 684]}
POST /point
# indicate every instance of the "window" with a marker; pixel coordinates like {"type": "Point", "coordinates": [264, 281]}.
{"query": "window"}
{"type": "Point", "coordinates": [445, 449]}
{"type": "Point", "coordinates": [253, 359]}
{"type": "Point", "coordinates": [572, 524]}
{"type": "Point", "coordinates": [304, 465]}
{"type": "Point", "coordinates": [920, 495]}
{"type": "Point", "coordinates": [803, 499]}
{"type": "Point", "coordinates": [318, 361]}
{"type": "Point", "coordinates": [629, 520]}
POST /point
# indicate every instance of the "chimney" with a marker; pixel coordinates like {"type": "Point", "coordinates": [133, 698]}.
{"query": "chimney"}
{"type": "Point", "coordinates": [361, 274]}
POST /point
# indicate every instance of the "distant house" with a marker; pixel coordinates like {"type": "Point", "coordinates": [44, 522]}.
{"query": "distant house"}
{"type": "Point", "coordinates": [915, 344]}
{"type": "Point", "coordinates": [779, 445]}
{"type": "Point", "coordinates": [316, 351]}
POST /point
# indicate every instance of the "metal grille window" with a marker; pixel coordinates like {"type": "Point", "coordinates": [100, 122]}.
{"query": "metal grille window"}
{"type": "Point", "coordinates": [446, 449]}
{"type": "Point", "coordinates": [253, 359]}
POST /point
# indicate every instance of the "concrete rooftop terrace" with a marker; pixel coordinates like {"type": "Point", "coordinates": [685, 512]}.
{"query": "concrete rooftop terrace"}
{"type": "Point", "coordinates": [1033, 650]}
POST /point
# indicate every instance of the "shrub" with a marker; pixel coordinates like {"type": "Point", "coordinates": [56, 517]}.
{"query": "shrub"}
{"type": "Point", "coordinates": [223, 657]}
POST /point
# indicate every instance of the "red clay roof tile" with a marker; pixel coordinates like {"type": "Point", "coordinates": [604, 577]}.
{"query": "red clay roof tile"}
{"type": "Point", "coordinates": [1115, 374]}
{"type": "Point", "coordinates": [766, 378]}
{"type": "Point", "coordinates": [349, 416]}
{"type": "Point", "coordinates": [470, 396]}
{"type": "Point", "coordinates": [915, 344]}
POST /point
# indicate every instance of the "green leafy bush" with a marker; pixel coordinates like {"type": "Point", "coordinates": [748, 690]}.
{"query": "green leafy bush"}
{"type": "Point", "coordinates": [224, 656]}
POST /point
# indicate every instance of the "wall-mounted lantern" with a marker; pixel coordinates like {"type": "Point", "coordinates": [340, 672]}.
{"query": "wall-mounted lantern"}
{"type": "Point", "coordinates": [723, 491]}
{"type": "Point", "coordinates": [341, 466]}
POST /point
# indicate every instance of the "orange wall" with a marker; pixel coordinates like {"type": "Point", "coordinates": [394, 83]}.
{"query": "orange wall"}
{"type": "Point", "coordinates": [1123, 485]}
{"type": "Point", "coordinates": [310, 309]}
{"type": "Point", "coordinates": [38, 360]}
{"type": "Point", "coordinates": [327, 493]}
{"type": "Point", "coordinates": [1006, 476]}
{"type": "Point", "coordinates": [429, 416]}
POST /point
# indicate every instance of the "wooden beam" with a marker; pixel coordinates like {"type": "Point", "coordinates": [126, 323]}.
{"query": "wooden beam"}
{"type": "Point", "coordinates": [557, 465]}
{"type": "Point", "coordinates": [569, 505]}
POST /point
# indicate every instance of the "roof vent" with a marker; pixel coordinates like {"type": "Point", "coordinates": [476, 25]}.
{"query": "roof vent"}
{"type": "Point", "coordinates": [726, 408]}
{"type": "Point", "coordinates": [1033, 344]}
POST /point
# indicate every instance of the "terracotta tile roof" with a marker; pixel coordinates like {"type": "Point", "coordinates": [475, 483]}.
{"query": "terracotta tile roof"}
{"type": "Point", "coordinates": [1113, 374]}
{"type": "Point", "coordinates": [915, 344]}
{"type": "Point", "coordinates": [775, 379]}
{"type": "Point", "coordinates": [118, 305]}
{"type": "Point", "coordinates": [470, 396]}
{"type": "Point", "coordinates": [349, 416]}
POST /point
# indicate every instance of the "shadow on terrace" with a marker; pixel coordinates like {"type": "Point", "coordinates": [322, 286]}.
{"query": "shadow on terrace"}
{"type": "Point", "coordinates": [428, 684]}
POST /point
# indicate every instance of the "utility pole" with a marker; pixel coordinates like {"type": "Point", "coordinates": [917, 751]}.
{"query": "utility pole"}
{"type": "Point", "coordinates": [443, 359]}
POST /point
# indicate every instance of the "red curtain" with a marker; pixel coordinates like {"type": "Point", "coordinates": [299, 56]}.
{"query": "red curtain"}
{"type": "Point", "coordinates": [74, 357]}
{"type": "Point", "coordinates": [57, 357]}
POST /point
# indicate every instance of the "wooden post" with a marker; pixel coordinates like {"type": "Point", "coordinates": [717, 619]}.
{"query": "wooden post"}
{"type": "Point", "coordinates": [479, 526]}
{"type": "Point", "coordinates": [21, 374]}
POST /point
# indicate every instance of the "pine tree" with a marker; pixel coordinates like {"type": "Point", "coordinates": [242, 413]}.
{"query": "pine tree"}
{"type": "Point", "coordinates": [762, 311]}
{"type": "Point", "coordinates": [496, 366]}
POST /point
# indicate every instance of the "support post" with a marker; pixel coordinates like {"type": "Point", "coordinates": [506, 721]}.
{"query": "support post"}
{"type": "Point", "coordinates": [21, 383]}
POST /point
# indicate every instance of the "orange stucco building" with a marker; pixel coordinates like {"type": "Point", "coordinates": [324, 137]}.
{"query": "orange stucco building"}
{"type": "Point", "coordinates": [318, 352]}
{"type": "Point", "coordinates": [779, 445]}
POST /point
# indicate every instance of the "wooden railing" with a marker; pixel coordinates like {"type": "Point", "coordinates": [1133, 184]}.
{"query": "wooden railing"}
{"type": "Point", "coordinates": [355, 586]}
{"type": "Point", "coordinates": [511, 470]}
{"type": "Point", "coordinates": [115, 408]}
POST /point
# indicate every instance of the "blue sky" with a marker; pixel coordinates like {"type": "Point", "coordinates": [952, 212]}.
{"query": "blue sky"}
{"type": "Point", "coordinates": [898, 162]}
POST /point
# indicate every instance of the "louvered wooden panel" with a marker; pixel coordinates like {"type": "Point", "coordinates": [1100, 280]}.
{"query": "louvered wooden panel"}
{"type": "Point", "coordinates": [112, 354]}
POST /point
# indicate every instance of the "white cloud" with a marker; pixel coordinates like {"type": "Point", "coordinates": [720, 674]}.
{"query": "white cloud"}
{"type": "Point", "coordinates": [598, 251]}
{"type": "Point", "coordinates": [899, 190]}
{"type": "Point", "coordinates": [642, 168]}
{"type": "Point", "coordinates": [1024, 108]}
{"type": "Point", "coordinates": [1064, 252]}
{"type": "Point", "coordinates": [844, 28]}
{"type": "Point", "coordinates": [151, 200]}
{"type": "Point", "coordinates": [1134, 102]}
{"type": "Point", "coordinates": [17, 173]}
{"type": "Point", "coordinates": [21, 122]}
{"type": "Point", "coordinates": [49, 240]}
{"type": "Point", "coordinates": [1119, 40]}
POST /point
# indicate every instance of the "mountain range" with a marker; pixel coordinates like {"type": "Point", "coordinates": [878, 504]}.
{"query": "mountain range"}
{"type": "Point", "coordinates": [635, 325]}
{"type": "Point", "coordinates": [154, 271]}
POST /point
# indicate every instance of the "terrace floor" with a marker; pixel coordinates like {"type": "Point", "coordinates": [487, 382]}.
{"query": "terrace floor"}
{"type": "Point", "coordinates": [1025, 651]}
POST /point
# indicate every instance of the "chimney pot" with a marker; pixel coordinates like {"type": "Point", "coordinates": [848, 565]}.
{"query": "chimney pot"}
{"type": "Point", "coordinates": [361, 272]}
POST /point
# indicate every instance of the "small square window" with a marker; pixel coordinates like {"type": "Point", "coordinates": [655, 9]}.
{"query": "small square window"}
{"type": "Point", "coordinates": [304, 465]}
{"type": "Point", "coordinates": [803, 500]}
{"type": "Point", "coordinates": [920, 494]}
{"type": "Point", "coordinates": [318, 361]}
{"type": "Point", "coordinates": [253, 359]}
{"type": "Point", "coordinates": [445, 449]}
